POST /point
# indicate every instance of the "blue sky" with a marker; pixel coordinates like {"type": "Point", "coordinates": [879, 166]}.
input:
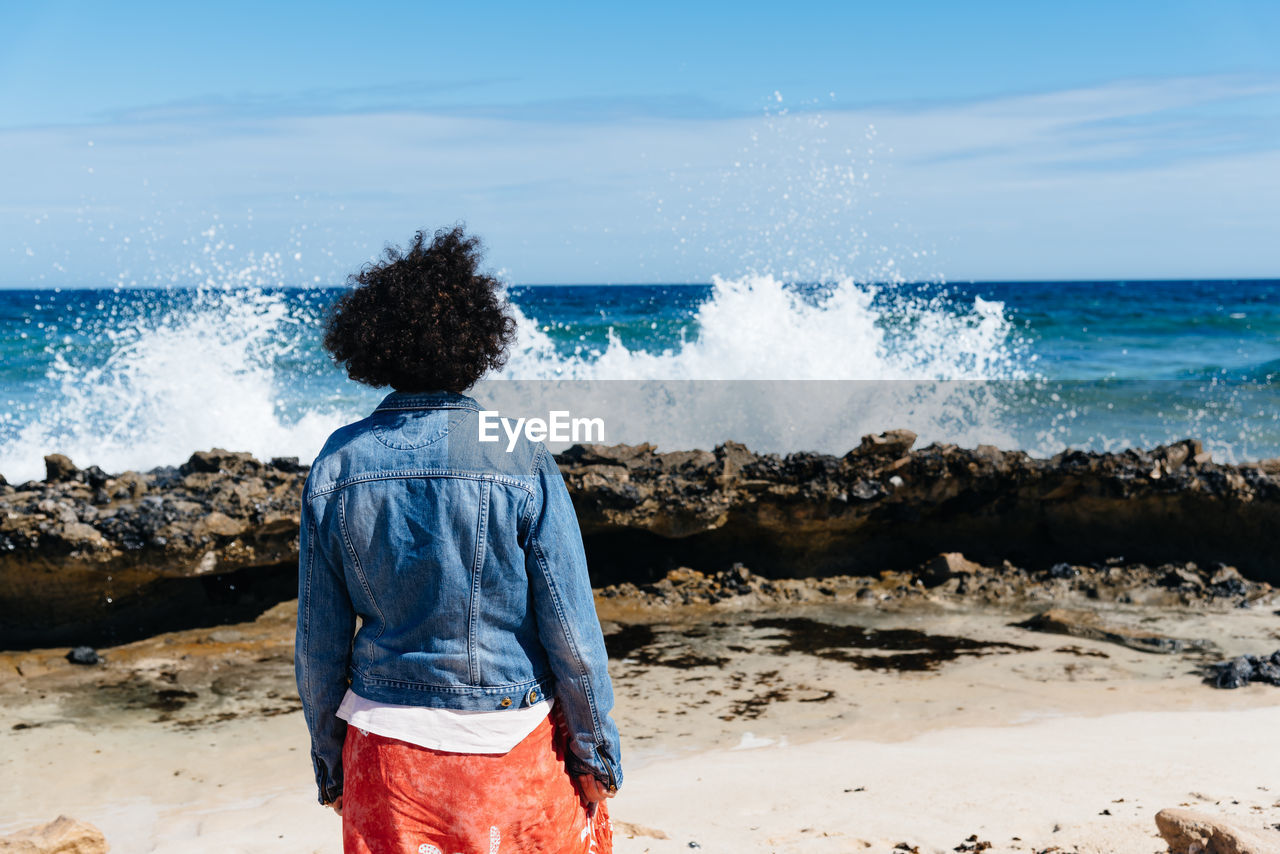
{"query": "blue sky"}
{"type": "Point", "coordinates": [149, 143]}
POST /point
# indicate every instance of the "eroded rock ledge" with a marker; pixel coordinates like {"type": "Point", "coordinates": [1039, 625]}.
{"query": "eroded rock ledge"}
{"type": "Point", "coordinates": [87, 557]}
{"type": "Point", "coordinates": [886, 506]}
{"type": "Point", "coordinates": [90, 557]}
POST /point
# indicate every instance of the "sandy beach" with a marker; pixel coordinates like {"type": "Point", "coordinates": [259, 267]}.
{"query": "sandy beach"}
{"type": "Point", "coordinates": [742, 733]}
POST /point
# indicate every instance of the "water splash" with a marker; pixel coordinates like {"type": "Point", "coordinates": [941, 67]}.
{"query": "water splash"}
{"type": "Point", "coordinates": [802, 198]}
{"type": "Point", "coordinates": [142, 378]}
{"type": "Point", "coordinates": [760, 328]}
{"type": "Point", "coordinates": [786, 368]}
{"type": "Point", "coordinates": [185, 378]}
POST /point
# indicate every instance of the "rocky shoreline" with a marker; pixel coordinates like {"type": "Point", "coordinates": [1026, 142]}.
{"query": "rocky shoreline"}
{"type": "Point", "coordinates": [88, 557]}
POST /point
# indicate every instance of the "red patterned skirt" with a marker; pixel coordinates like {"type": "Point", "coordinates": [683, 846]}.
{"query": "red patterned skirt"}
{"type": "Point", "coordinates": [400, 798]}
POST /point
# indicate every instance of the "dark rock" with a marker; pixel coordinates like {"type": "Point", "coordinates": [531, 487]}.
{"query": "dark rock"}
{"type": "Point", "coordinates": [168, 477]}
{"type": "Point", "coordinates": [1235, 587]}
{"type": "Point", "coordinates": [59, 469]}
{"type": "Point", "coordinates": [867, 490]}
{"type": "Point", "coordinates": [287, 464]}
{"type": "Point", "coordinates": [83, 655]}
{"type": "Point", "coordinates": [1234, 673]}
{"type": "Point", "coordinates": [1227, 582]}
{"type": "Point", "coordinates": [1244, 669]}
{"type": "Point", "coordinates": [1267, 670]}
{"type": "Point", "coordinates": [1063, 570]}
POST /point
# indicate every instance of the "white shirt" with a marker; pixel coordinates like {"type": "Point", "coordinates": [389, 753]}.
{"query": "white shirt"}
{"type": "Point", "coordinates": [450, 730]}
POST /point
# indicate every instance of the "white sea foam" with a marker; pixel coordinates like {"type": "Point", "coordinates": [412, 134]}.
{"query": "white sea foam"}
{"type": "Point", "coordinates": [176, 382]}
{"type": "Point", "coordinates": [758, 328]}
{"type": "Point", "coordinates": [782, 370]}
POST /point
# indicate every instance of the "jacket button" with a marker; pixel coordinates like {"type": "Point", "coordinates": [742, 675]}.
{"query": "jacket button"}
{"type": "Point", "coordinates": [506, 701]}
{"type": "Point", "coordinates": [533, 696]}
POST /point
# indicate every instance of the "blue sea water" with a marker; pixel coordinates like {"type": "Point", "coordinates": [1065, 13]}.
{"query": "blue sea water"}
{"type": "Point", "coordinates": [130, 378]}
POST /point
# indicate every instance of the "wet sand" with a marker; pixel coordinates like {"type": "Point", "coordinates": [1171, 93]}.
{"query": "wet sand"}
{"type": "Point", "coordinates": [841, 727]}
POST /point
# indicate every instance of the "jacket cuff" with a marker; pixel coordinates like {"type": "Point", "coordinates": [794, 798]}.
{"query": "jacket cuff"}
{"type": "Point", "coordinates": [609, 775]}
{"type": "Point", "coordinates": [327, 790]}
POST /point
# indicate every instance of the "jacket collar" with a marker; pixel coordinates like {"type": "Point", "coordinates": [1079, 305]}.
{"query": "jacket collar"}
{"type": "Point", "coordinates": [427, 400]}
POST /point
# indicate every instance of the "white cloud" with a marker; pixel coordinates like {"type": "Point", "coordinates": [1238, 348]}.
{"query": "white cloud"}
{"type": "Point", "coordinates": [1145, 178]}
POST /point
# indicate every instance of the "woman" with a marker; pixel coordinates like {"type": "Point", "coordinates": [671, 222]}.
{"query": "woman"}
{"type": "Point", "coordinates": [470, 711]}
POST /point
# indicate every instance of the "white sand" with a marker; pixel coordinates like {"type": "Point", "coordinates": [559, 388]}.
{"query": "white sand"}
{"type": "Point", "coordinates": [938, 788]}
{"type": "Point", "coordinates": [244, 786]}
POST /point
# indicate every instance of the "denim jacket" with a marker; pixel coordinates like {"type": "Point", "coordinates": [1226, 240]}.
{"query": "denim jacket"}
{"type": "Point", "coordinates": [465, 564]}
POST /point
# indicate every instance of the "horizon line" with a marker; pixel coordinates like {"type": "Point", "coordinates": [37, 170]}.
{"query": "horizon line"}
{"type": "Point", "coordinates": [672, 284]}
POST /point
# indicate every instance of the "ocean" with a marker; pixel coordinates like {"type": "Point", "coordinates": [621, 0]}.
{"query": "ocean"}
{"type": "Point", "coordinates": [136, 378]}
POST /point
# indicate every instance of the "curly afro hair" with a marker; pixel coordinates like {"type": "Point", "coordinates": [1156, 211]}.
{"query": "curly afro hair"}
{"type": "Point", "coordinates": [422, 319]}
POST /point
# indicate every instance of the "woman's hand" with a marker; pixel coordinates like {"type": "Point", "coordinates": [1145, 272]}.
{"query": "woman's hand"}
{"type": "Point", "coordinates": [592, 789]}
{"type": "Point", "coordinates": [336, 803]}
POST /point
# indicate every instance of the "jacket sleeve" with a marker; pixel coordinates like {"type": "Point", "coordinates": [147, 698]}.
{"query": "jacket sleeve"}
{"type": "Point", "coordinates": [568, 626]}
{"type": "Point", "coordinates": [322, 651]}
